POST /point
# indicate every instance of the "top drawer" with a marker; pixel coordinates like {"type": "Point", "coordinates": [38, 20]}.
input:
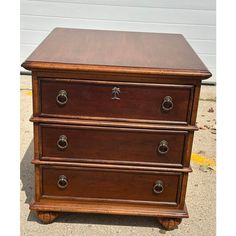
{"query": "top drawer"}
{"type": "Point", "coordinates": [120, 101]}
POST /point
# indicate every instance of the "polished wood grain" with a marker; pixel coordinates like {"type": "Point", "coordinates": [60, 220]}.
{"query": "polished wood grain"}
{"type": "Point", "coordinates": [36, 95]}
{"type": "Point", "coordinates": [114, 51]}
{"type": "Point", "coordinates": [115, 185]}
{"type": "Point", "coordinates": [111, 166]}
{"type": "Point", "coordinates": [117, 76]}
{"type": "Point", "coordinates": [125, 145]}
{"type": "Point", "coordinates": [135, 101]}
{"type": "Point", "coordinates": [84, 206]}
{"type": "Point", "coordinates": [111, 162]}
{"type": "Point", "coordinates": [106, 123]}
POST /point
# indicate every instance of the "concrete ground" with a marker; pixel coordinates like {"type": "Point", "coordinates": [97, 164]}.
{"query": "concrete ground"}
{"type": "Point", "coordinates": [200, 197]}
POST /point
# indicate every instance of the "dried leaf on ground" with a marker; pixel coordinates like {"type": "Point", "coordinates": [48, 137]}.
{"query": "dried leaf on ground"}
{"type": "Point", "coordinates": [212, 168]}
{"type": "Point", "coordinates": [211, 109]}
{"type": "Point", "coordinates": [204, 168]}
{"type": "Point", "coordinates": [201, 152]}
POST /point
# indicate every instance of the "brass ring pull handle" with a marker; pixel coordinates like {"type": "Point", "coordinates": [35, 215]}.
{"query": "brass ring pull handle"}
{"type": "Point", "coordinates": [62, 97]}
{"type": "Point", "coordinates": [62, 142]}
{"type": "Point", "coordinates": [158, 187]}
{"type": "Point", "coordinates": [167, 103]}
{"type": "Point", "coordinates": [163, 147]}
{"type": "Point", "coordinates": [62, 182]}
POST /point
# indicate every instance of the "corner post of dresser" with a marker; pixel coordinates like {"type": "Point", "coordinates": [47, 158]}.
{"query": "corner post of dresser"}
{"type": "Point", "coordinates": [35, 93]}
{"type": "Point", "coordinates": [37, 138]}
{"type": "Point", "coordinates": [188, 148]}
{"type": "Point", "coordinates": [37, 183]}
{"type": "Point", "coordinates": [37, 135]}
{"type": "Point", "coordinates": [190, 136]}
{"type": "Point", "coordinates": [183, 190]}
{"type": "Point", "coordinates": [196, 95]}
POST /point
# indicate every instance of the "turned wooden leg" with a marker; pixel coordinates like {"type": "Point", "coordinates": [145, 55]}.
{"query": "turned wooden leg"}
{"type": "Point", "coordinates": [47, 217]}
{"type": "Point", "coordinates": [169, 223]}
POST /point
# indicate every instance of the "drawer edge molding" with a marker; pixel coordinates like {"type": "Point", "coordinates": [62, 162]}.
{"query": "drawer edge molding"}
{"type": "Point", "coordinates": [106, 208]}
{"type": "Point", "coordinates": [112, 166]}
{"type": "Point", "coordinates": [37, 119]}
{"type": "Point", "coordinates": [104, 82]}
{"type": "Point", "coordinates": [109, 76]}
{"type": "Point", "coordinates": [136, 163]}
{"type": "Point", "coordinates": [148, 202]}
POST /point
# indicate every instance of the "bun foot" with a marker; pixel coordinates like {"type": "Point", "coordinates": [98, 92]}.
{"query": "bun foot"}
{"type": "Point", "coordinates": [47, 217]}
{"type": "Point", "coordinates": [169, 223]}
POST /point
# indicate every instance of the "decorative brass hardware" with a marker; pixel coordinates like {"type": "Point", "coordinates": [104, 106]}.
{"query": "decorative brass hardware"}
{"type": "Point", "coordinates": [62, 97]}
{"type": "Point", "coordinates": [62, 142]}
{"type": "Point", "coordinates": [158, 187]}
{"type": "Point", "coordinates": [115, 93]}
{"type": "Point", "coordinates": [163, 147]}
{"type": "Point", "coordinates": [167, 103]}
{"type": "Point", "coordinates": [62, 182]}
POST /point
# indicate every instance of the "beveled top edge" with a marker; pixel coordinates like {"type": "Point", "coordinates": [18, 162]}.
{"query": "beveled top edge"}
{"type": "Point", "coordinates": [144, 53]}
{"type": "Point", "coordinates": [42, 66]}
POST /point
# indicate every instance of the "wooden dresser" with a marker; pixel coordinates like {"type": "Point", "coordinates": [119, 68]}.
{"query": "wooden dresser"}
{"type": "Point", "coordinates": [114, 115]}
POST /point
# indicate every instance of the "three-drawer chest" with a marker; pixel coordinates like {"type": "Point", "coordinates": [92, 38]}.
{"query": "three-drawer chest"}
{"type": "Point", "coordinates": [114, 115]}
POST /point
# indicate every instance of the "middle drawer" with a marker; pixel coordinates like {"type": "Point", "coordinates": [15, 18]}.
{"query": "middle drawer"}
{"type": "Point", "coordinates": [112, 145]}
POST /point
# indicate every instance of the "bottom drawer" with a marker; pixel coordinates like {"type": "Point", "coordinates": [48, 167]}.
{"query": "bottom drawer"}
{"type": "Point", "coordinates": [111, 184]}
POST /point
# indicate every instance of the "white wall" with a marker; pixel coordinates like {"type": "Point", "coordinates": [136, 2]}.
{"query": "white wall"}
{"type": "Point", "coordinates": [194, 19]}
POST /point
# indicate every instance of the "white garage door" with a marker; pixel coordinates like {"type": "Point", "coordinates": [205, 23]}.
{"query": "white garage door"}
{"type": "Point", "coordinates": [194, 19]}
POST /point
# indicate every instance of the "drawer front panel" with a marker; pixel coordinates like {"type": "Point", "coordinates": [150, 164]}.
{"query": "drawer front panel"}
{"type": "Point", "coordinates": [88, 143]}
{"type": "Point", "coordinates": [110, 184]}
{"type": "Point", "coordinates": [120, 101]}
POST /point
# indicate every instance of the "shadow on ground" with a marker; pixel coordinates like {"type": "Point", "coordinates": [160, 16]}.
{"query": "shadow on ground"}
{"type": "Point", "coordinates": [27, 173]}
{"type": "Point", "coordinates": [102, 219]}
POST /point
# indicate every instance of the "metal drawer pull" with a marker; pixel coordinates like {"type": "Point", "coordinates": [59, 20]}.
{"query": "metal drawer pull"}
{"type": "Point", "coordinates": [167, 103]}
{"type": "Point", "coordinates": [158, 187]}
{"type": "Point", "coordinates": [163, 147]}
{"type": "Point", "coordinates": [62, 142]}
{"type": "Point", "coordinates": [62, 97]}
{"type": "Point", "coordinates": [62, 182]}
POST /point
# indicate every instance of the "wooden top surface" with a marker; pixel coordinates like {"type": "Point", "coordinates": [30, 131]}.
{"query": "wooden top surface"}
{"type": "Point", "coordinates": [117, 51]}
